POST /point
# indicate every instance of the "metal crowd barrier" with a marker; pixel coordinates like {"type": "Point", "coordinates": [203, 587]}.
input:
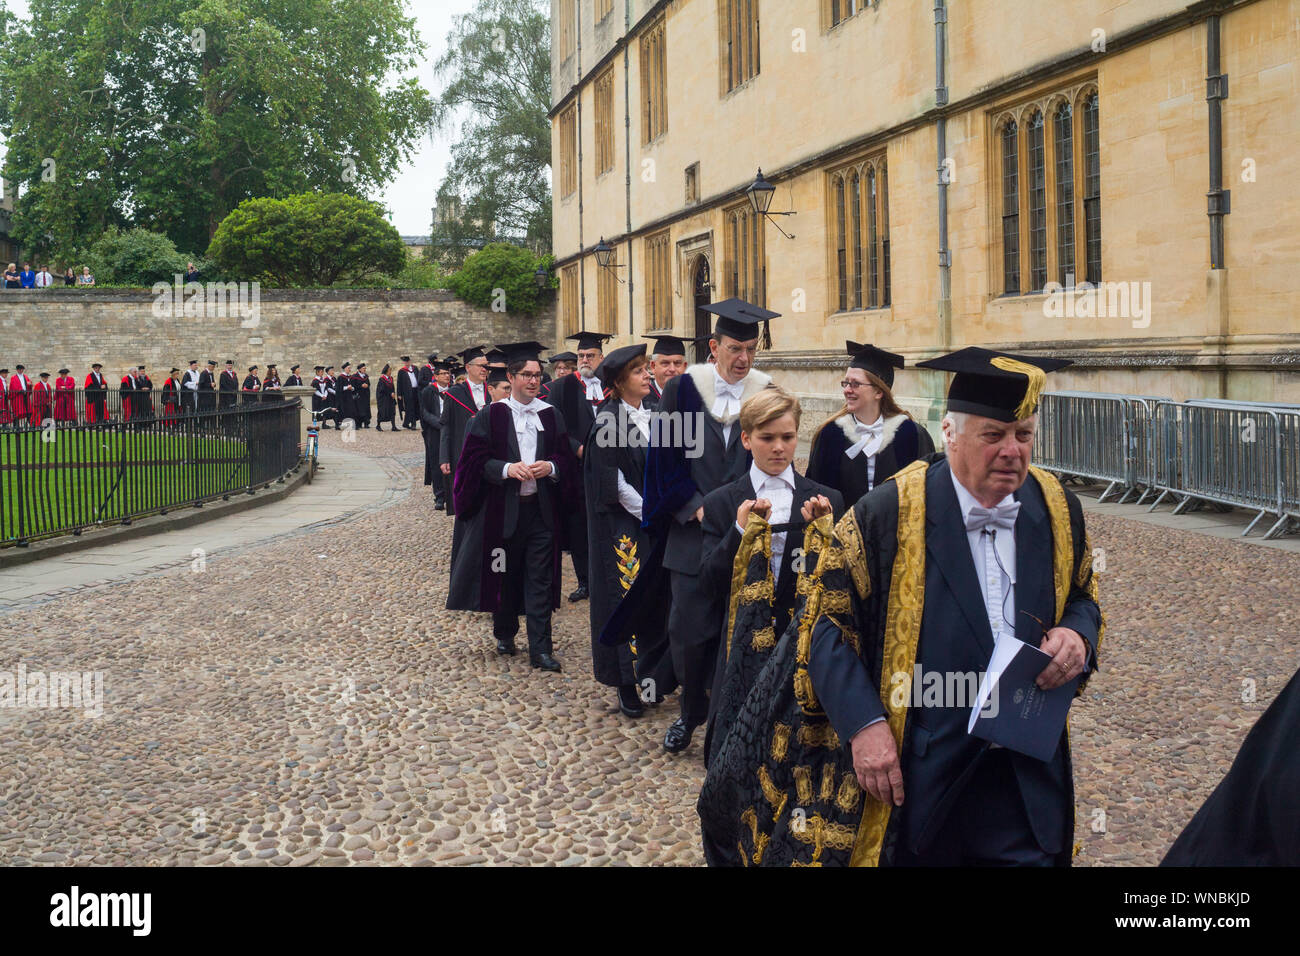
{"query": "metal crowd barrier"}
{"type": "Point", "coordinates": [1240, 454]}
{"type": "Point", "coordinates": [1097, 436]}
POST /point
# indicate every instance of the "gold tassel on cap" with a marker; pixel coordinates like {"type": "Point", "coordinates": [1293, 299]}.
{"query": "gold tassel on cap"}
{"type": "Point", "coordinates": [1037, 379]}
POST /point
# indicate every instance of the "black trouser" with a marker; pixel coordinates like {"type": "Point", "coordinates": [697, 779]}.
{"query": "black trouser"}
{"type": "Point", "coordinates": [410, 410]}
{"type": "Point", "coordinates": [987, 825]}
{"type": "Point", "coordinates": [528, 571]}
{"type": "Point", "coordinates": [694, 630]}
{"type": "Point", "coordinates": [576, 528]}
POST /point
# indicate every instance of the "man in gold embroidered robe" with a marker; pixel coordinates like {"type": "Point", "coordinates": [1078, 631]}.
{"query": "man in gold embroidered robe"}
{"type": "Point", "coordinates": [836, 758]}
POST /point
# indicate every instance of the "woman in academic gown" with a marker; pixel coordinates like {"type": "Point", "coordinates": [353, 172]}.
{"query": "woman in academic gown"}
{"type": "Point", "coordinates": [870, 438]}
{"type": "Point", "coordinates": [613, 468]}
{"type": "Point", "coordinates": [384, 391]}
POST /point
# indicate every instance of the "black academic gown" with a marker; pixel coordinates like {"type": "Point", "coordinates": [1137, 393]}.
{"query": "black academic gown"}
{"type": "Point", "coordinates": [488, 510]}
{"type": "Point", "coordinates": [361, 398]}
{"type": "Point", "coordinates": [903, 441]}
{"type": "Point", "coordinates": [142, 409]}
{"type": "Point", "coordinates": [228, 389]}
{"type": "Point", "coordinates": [616, 544]}
{"type": "Point", "coordinates": [569, 395]}
{"type": "Point", "coordinates": [346, 398]}
{"type": "Point", "coordinates": [457, 409]}
{"type": "Point", "coordinates": [207, 391]}
{"type": "Point", "coordinates": [1253, 816]}
{"type": "Point", "coordinates": [740, 658]}
{"type": "Point", "coordinates": [695, 621]}
{"type": "Point", "coordinates": [802, 710]}
{"type": "Point", "coordinates": [386, 400]}
{"type": "Point", "coordinates": [408, 397]}
{"type": "Point", "coordinates": [431, 403]}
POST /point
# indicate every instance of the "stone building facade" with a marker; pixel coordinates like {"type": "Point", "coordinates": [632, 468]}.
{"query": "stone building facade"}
{"type": "Point", "coordinates": [46, 330]}
{"type": "Point", "coordinates": [958, 171]}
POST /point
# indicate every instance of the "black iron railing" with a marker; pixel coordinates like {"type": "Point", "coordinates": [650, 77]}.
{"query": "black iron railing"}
{"type": "Point", "coordinates": [60, 477]}
{"type": "Point", "coordinates": [81, 406]}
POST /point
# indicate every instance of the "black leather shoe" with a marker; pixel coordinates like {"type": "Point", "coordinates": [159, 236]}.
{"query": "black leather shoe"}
{"type": "Point", "coordinates": [678, 737]}
{"type": "Point", "coordinates": [506, 648]}
{"type": "Point", "coordinates": [440, 506]}
{"type": "Point", "coordinates": [581, 594]}
{"type": "Point", "coordinates": [629, 701]}
{"type": "Point", "coordinates": [546, 662]}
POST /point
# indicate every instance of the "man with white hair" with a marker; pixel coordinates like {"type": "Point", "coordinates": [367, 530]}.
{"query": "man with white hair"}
{"type": "Point", "coordinates": [955, 553]}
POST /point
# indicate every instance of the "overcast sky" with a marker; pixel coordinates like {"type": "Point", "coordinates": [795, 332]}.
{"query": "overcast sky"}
{"type": "Point", "coordinates": [410, 196]}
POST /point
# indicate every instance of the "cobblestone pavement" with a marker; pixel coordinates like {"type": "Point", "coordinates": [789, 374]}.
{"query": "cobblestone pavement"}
{"type": "Point", "coordinates": [307, 700]}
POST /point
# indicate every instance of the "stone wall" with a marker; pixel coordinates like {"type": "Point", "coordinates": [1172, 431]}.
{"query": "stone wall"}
{"type": "Point", "coordinates": [51, 329]}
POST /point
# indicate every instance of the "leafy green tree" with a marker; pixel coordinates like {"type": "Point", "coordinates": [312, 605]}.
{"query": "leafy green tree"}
{"type": "Point", "coordinates": [167, 114]}
{"type": "Point", "coordinates": [309, 239]}
{"type": "Point", "coordinates": [135, 257]}
{"type": "Point", "coordinates": [498, 67]}
{"type": "Point", "coordinates": [500, 276]}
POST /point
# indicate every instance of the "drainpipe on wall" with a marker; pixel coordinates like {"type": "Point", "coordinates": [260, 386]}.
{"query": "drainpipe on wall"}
{"type": "Point", "coordinates": [627, 138]}
{"type": "Point", "coordinates": [577, 119]}
{"type": "Point", "coordinates": [1218, 199]}
{"type": "Point", "coordinates": [941, 140]}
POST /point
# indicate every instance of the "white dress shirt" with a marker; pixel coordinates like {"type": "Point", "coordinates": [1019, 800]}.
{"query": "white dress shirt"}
{"type": "Point", "coordinates": [43, 279]}
{"type": "Point", "coordinates": [190, 379]}
{"type": "Point", "coordinates": [726, 400]}
{"type": "Point", "coordinates": [629, 497]}
{"type": "Point", "coordinates": [779, 490]}
{"type": "Point", "coordinates": [528, 422]}
{"type": "Point", "coordinates": [868, 444]}
{"type": "Point", "coordinates": [994, 553]}
{"type": "Point", "coordinates": [478, 393]}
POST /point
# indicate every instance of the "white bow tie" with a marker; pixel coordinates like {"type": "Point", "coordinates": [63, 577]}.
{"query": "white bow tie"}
{"type": "Point", "coordinates": [869, 436]}
{"type": "Point", "coordinates": [728, 390]}
{"type": "Point", "coordinates": [1002, 516]}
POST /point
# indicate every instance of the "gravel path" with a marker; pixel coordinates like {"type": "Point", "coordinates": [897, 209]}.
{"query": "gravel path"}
{"type": "Point", "coordinates": [307, 700]}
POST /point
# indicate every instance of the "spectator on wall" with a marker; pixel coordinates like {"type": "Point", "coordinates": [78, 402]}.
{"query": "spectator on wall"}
{"type": "Point", "coordinates": [69, 278]}
{"type": "Point", "coordinates": [11, 277]}
{"type": "Point", "coordinates": [85, 278]}
{"type": "Point", "coordinates": [43, 278]}
{"type": "Point", "coordinates": [191, 273]}
{"type": "Point", "coordinates": [27, 278]}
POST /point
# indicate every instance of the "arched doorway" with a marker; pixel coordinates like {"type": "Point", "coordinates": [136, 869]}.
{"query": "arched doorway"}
{"type": "Point", "coordinates": [703, 291]}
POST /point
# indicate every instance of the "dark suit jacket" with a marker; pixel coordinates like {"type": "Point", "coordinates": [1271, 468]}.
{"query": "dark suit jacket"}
{"type": "Point", "coordinates": [548, 489]}
{"type": "Point", "coordinates": [956, 638]}
{"type": "Point", "coordinates": [431, 409]}
{"type": "Point", "coordinates": [722, 461]}
{"type": "Point", "coordinates": [721, 539]}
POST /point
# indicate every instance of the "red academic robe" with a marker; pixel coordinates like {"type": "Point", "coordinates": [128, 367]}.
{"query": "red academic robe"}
{"type": "Point", "coordinates": [40, 404]}
{"type": "Point", "coordinates": [96, 390]}
{"type": "Point", "coordinates": [65, 399]}
{"type": "Point", "coordinates": [5, 417]}
{"type": "Point", "coordinates": [19, 387]}
{"type": "Point", "coordinates": [171, 402]}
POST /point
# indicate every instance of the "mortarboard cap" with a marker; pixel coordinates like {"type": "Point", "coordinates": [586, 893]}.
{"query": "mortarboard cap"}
{"type": "Point", "coordinates": [739, 320]}
{"type": "Point", "coordinates": [590, 340]}
{"type": "Point", "coordinates": [521, 351]}
{"type": "Point", "coordinates": [97, 365]}
{"type": "Point", "coordinates": [294, 368]}
{"type": "Point", "coordinates": [495, 356]}
{"type": "Point", "coordinates": [497, 374]}
{"type": "Point", "coordinates": [252, 368]}
{"type": "Point", "coordinates": [212, 362]}
{"type": "Point", "coordinates": [63, 371]}
{"type": "Point", "coordinates": [470, 354]}
{"type": "Point", "coordinates": [433, 357]}
{"type": "Point", "coordinates": [569, 357]}
{"type": "Point", "coordinates": [406, 358]}
{"type": "Point", "coordinates": [995, 385]}
{"type": "Point", "coordinates": [173, 371]}
{"type": "Point", "coordinates": [666, 344]}
{"type": "Point", "coordinates": [876, 361]}
{"type": "Point", "coordinates": [318, 368]}
{"type": "Point", "coordinates": [616, 361]}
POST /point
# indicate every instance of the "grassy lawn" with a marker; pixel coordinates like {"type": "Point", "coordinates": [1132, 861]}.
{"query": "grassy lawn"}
{"type": "Point", "coordinates": [84, 476]}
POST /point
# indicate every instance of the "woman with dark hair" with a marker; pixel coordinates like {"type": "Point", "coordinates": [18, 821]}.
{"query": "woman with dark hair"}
{"type": "Point", "coordinates": [69, 278]}
{"type": "Point", "coordinates": [613, 468]}
{"type": "Point", "coordinates": [384, 392]}
{"type": "Point", "coordinates": [870, 438]}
